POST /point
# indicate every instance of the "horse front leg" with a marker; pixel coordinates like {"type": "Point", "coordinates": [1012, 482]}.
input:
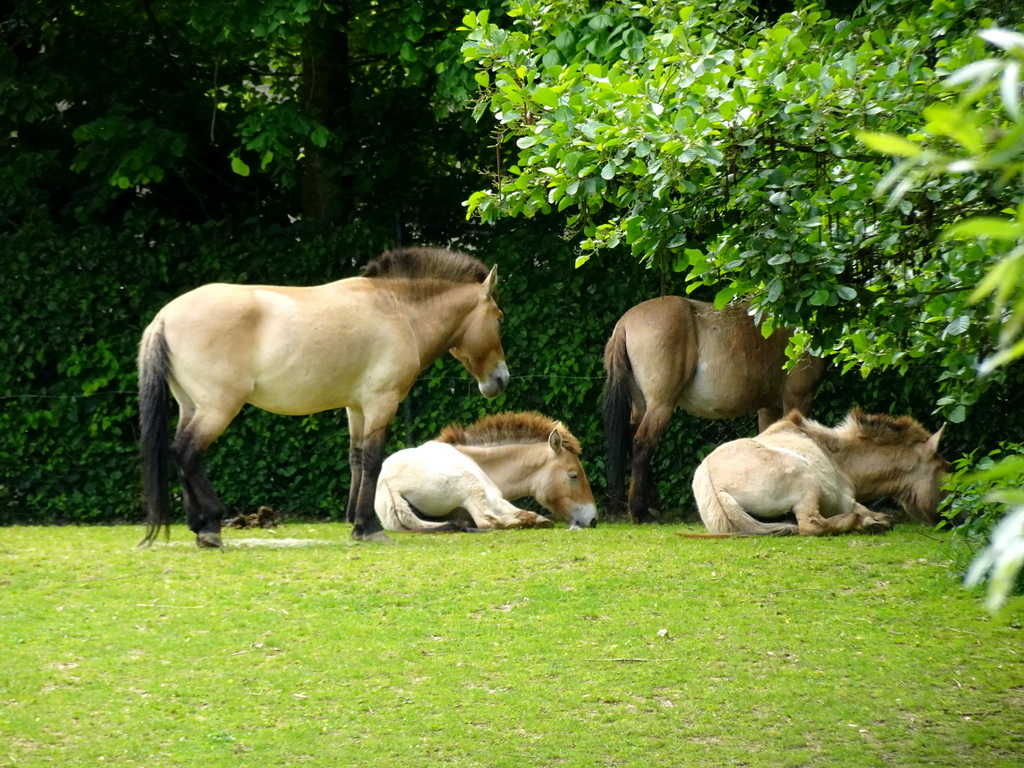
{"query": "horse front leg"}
{"type": "Point", "coordinates": [355, 462]}
{"type": "Point", "coordinates": [859, 519]}
{"type": "Point", "coordinates": [366, 526]}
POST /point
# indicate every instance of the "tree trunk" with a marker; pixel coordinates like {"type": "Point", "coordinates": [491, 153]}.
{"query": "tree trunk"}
{"type": "Point", "coordinates": [327, 96]}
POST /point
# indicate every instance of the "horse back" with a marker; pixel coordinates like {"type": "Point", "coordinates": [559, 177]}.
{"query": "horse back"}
{"type": "Point", "coordinates": [772, 472]}
{"type": "Point", "coordinates": [290, 350]}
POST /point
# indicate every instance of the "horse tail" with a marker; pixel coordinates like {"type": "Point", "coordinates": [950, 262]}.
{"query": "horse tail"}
{"type": "Point", "coordinates": [154, 432]}
{"type": "Point", "coordinates": [616, 409]}
{"type": "Point", "coordinates": [722, 514]}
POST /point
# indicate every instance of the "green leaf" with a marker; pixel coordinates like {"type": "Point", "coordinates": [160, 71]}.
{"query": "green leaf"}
{"type": "Point", "coordinates": [546, 97]}
{"type": "Point", "coordinates": [238, 166]}
{"type": "Point", "coordinates": [986, 226]}
{"type": "Point", "coordinates": [320, 136]}
{"type": "Point", "coordinates": [889, 144]}
{"type": "Point", "coordinates": [846, 293]}
{"type": "Point", "coordinates": [820, 297]}
{"type": "Point", "coordinates": [725, 295]}
{"type": "Point", "coordinates": [957, 414]}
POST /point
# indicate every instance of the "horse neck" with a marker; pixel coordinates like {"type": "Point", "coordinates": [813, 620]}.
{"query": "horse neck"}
{"type": "Point", "coordinates": [513, 468]}
{"type": "Point", "coordinates": [876, 471]}
{"type": "Point", "coordinates": [437, 318]}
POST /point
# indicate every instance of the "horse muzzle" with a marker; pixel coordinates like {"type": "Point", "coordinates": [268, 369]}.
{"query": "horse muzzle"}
{"type": "Point", "coordinates": [583, 516]}
{"type": "Point", "coordinates": [496, 383]}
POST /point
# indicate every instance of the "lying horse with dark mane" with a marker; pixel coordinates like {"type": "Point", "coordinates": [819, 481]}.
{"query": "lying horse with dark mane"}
{"type": "Point", "coordinates": [716, 364]}
{"type": "Point", "coordinates": [357, 344]}
{"type": "Point", "coordinates": [820, 475]}
{"type": "Point", "coordinates": [468, 476]}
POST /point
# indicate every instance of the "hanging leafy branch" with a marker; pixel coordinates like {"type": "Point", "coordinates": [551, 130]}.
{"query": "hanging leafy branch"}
{"type": "Point", "coordinates": [981, 136]}
{"type": "Point", "coordinates": [722, 147]}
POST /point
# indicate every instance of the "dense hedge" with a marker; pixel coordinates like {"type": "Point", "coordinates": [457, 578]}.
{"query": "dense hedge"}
{"type": "Point", "coordinates": [75, 305]}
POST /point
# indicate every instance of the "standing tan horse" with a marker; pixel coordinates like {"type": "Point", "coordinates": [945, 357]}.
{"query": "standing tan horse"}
{"type": "Point", "coordinates": [357, 343]}
{"type": "Point", "coordinates": [819, 476]}
{"type": "Point", "coordinates": [677, 352]}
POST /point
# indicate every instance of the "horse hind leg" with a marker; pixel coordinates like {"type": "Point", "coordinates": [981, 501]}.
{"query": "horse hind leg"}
{"type": "Point", "coordinates": [642, 493]}
{"type": "Point", "coordinates": [766, 417]}
{"type": "Point", "coordinates": [723, 515]}
{"type": "Point", "coordinates": [203, 507]}
{"type": "Point", "coordinates": [859, 519]}
{"type": "Point", "coordinates": [396, 514]}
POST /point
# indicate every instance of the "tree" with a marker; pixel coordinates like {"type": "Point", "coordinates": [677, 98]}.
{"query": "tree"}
{"type": "Point", "coordinates": [269, 111]}
{"type": "Point", "coordinates": [720, 145]}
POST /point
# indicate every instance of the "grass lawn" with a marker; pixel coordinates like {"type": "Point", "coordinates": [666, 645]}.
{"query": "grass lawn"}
{"type": "Point", "coordinates": [620, 646]}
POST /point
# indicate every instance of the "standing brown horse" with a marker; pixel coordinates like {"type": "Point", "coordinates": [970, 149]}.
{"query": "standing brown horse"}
{"type": "Point", "coordinates": [714, 364]}
{"type": "Point", "coordinates": [357, 343]}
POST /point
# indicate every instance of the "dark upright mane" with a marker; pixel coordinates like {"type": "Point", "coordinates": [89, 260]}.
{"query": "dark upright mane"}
{"type": "Point", "coordinates": [883, 429]}
{"type": "Point", "coordinates": [427, 264]}
{"type": "Point", "coordinates": [878, 428]}
{"type": "Point", "coordinates": [508, 428]}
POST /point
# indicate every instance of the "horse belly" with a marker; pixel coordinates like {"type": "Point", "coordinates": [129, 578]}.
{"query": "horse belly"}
{"type": "Point", "coordinates": [303, 387]}
{"type": "Point", "coordinates": [308, 363]}
{"type": "Point", "coordinates": [712, 394]}
{"type": "Point", "coordinates": [438, 495]}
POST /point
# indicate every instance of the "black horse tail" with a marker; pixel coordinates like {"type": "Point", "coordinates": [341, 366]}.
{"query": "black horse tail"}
{"type": "Point", "coordinates": [154, 432]}
{"type": "Point", "coordinates": [616, 408]}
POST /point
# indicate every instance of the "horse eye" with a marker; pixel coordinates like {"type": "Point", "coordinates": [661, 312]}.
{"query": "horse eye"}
{"type": "Point", "coordinates": [574, 474]}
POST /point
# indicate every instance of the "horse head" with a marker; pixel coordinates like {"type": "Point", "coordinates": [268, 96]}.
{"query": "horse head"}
{"type": "Point", "coordinates": [898, 458]}
{"type": "Point", "coordinates": [564, 488]}
{"type": "Point", "coordinates": [478, 345]}
{"type": "Point", "coordinates": [921, 489]}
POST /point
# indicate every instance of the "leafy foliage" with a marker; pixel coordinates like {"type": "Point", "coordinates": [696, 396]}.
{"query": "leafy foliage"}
{"type": "Point", "coordinates": [686, 132]}
{"type": "Point", "coordinates": [982, 136]}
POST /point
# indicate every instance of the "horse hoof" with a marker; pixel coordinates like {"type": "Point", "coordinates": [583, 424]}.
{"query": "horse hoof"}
{"type": "Point", "coordinates": [878, 524]}
{"type": "Point", "coordinates": [209, 541]}
{"type": "Point", "coordinates": [377, 536]}
{"type": "Point", "coordinates": [544, 523]}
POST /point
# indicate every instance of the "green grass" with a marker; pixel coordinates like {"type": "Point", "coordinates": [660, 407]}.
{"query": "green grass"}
{"type": "Point", "coordinates": [619, 646]}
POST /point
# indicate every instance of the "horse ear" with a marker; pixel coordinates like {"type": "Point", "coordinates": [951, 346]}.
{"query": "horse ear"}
{"type": "Point", "coordinates": [933, 441]}
{"type": "Point", "coordinates": [491, 283]}
{"type": "Point", "coordinates": [555, 440]}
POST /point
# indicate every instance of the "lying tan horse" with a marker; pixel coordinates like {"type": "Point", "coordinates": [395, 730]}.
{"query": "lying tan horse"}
{"type": "Point", "coordinates": [800, 468]}
{"type": "Point", "coordinates": [468, 475]}
{"type": "Point", "coordinates": [357, 343]}
{"type": "Point", "coordinates": [676, 352]}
